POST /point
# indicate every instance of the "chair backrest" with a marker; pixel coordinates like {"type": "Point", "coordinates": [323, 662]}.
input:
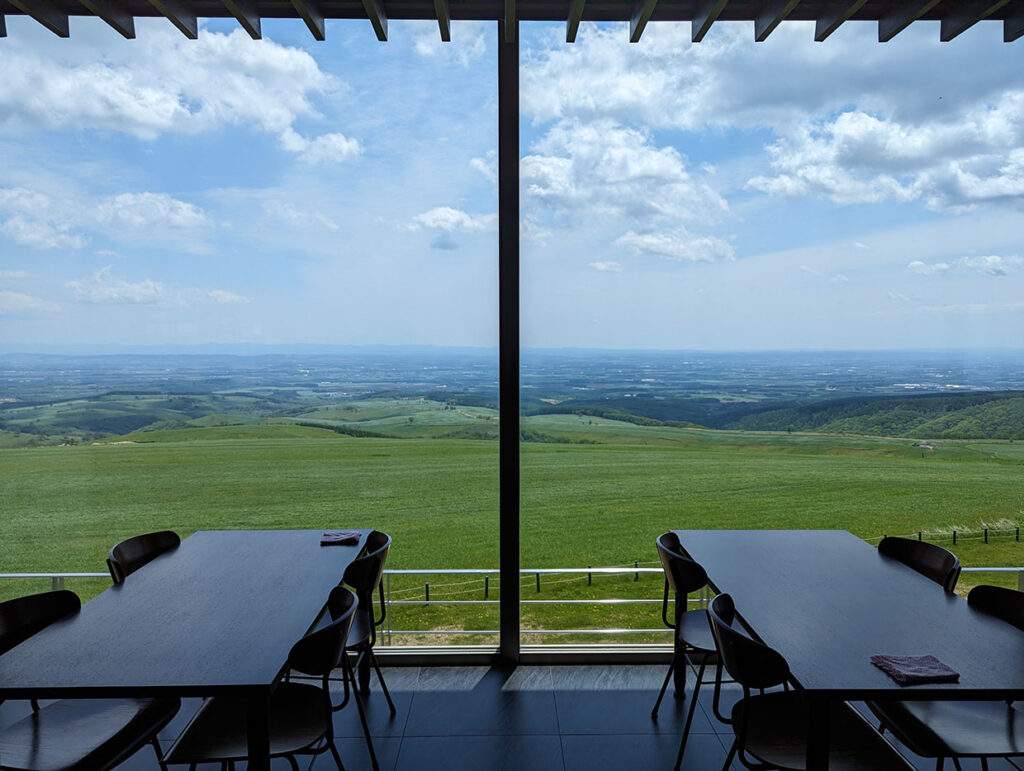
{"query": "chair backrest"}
{"type": "Point", "coordinates": [1005, 604]}
{"type": "Point", "coordinates": [365, 572]}
{"type": "Point", "coordinates": [321, 651]}
{"type": "Point", "coordinates": [22, 617]}
{"type": "Point", "coordinates": [750, 663]}
{"type": "Point", "coordinates": [130, 555]}
{"type": "Point", "coordinates": [682, 573]}
{"type": "Point", "coordinates": [931, 561]}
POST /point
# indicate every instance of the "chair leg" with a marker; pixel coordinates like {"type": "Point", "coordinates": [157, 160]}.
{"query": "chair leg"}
{"type": "Point", "coordinates": [693, 708]}
{"type": "Point", "coordinates": [664, 687]}
{"type": "Point", "coordinates": [362, 717]}
{"type": "Point", "coordinates": [718, 691]}
{"type": "Point", "coordinates": [728, 758]}
{"type": "Point", "coordinates": [380, 679]}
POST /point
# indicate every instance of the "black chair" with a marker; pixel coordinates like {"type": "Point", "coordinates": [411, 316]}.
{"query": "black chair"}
{"type": "Point", "coordinates": [93, 734]}
{"type": "Point", "coordinates": [772, 727]}
{"type": "Point", "coordinates": [931, 561]}
{"type": "Point", "coordinates": [300, 713]}
{"type": "Point", "coordinates": [692, 633]}
{"type": "Point", "coordinates": [130, 555]}
{"type": "Point", "coordinates": [364, 576]}
{"type": "Point", "coordinates": [963, 729]}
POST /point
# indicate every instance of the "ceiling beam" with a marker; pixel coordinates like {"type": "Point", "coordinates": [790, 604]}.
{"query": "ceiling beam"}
{"type": "Point", "coordinates": [3, 26]}
{"type": "Point", "coordinates": [46, 13]}
{"type": "Point", "coordinates": [833, 14]}
{"type": "Point", "coordinates": [771, 14]}
{"type": "Point", "coordinates": [444, 19]}
{"type": "Point", "coordinates": [1013, 24]}
{"type": "Point", "coordinates": [114, 14]}
{"type": "Point", "coordinates": [642, 10]}
{"type": "Point", "coordinates": [572, 23]}
{"type": "Point", "coordinates": [901, 16]}
{"type": "Point", "coordinates": [180, 15]}
{"type": "Point", "coordinates": [378, 18]}
{"type": "Point", "coordinates": [510, 21]}
{"type": "Point", "coordinates": [311, 13]}
{"type": "Point", "coordinates": [704, 17]}
{"type": "Point", "coordinates": [965, 15]}
{"type": "Point", "coordinates": [246, 14]}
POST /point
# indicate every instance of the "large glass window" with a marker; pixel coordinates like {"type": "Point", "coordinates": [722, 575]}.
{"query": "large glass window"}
{"type": "Point", "coordinates": [765, 285]}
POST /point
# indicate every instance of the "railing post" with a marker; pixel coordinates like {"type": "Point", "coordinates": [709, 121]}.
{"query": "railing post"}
{"type": "Point", "coordinates": [636, 576]}
{"type": "Point", "coordinates": [387, 585]}
{"type": "Point", "coordinates": [986, 535]}
{"type": "Point", "coordinates": [590, 576]}
{"type": "Point", "coordinates": [919, 535]}
{"type": "Point", "coordinates": [487, 587]}
{"type": "Point", "coordinates": [1020, 581]}
{"type": "Point", "coordinates": [954, 537]}
{"type": "Point", "coordinates": [426, 592]}
{"type": "Point", "coordinates": [538, 581]}
{"type": "Point", "coordinates": [56, 583]}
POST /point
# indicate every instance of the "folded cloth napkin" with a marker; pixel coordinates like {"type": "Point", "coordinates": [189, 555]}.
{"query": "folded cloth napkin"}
{"type": "Point", "coordinates": [910, 670]}
{"type": "Point", "coordinates": [343, 537]}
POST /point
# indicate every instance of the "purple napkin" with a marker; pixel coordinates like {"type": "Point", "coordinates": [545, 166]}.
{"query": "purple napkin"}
{"type": "Point", "coordinates": [341, 537]}
{"type": "Point", "coordinates": [910, 670]}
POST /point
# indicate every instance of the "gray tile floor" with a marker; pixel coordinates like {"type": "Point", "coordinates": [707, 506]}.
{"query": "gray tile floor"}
{"type": "Point", "coordinates": [563, 718]}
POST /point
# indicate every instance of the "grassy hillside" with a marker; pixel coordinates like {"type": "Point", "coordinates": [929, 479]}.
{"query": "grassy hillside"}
{"type": "Point", "coordinates": [932, 416]}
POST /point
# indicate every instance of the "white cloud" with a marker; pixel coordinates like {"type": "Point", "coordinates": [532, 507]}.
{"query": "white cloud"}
{"type": "Point", "coordinates": [678, 245]}
{"type": "Point", "coordinates": [989, 265]}
{"type": "Point", "coordinates": [608, 266]}
{"type": "Point", "coordinates": [488, 166]}
{"type": "Point", "coordinates": [14, 274]}
{"type": "Point", "coordinates": [16, 302]}
{"type": "Point", "coordinates": [145, 210]}
{"type": "Point", "coordinates": [603, 168]}
{"type": "Point", "coordinates": [926, 269]}
{"type": "Point", "coordinates": [300, 218]}
{"type": "Point", "coordinates": [451, 220]}
{"type": "Point", "coordinates": [161, 83]}
{"type": "Point", "coordinates": [328, 148]}
{"type": "Point", "coordinates": [468, 44]}
{"type": "Point", "coordinates": [35, 220]}
{"type": "Point", "coordinates": [104, 288]}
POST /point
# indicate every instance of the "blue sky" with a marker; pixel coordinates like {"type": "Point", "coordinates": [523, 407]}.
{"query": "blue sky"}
{"type": "Point", "coordinates": [726, 195]}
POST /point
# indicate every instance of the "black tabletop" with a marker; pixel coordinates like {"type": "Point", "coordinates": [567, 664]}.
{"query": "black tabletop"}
{"type": "Point", "coordinates": [219, 612]}
{"type": "Point", "coordinates": [828, 601]}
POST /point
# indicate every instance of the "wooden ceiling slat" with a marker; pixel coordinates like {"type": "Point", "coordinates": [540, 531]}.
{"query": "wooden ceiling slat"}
{"type": "Point", "coordinates": [114, 14]}
{"type": "Point", "coordinates": [572, 23]}
{"type": "Point", "coordinates": [246, 14]}
{"type": "Point", "coordinates": [3, 26]}
{"type": "Point", "coordinates": [311, 13]}
{"type": "Point", "coordinates": [642, 10]}
{"type": "Point", "coordinates": [510, 21]}
{"type": "Point", "coordinates": [834, 14]}
{"type": "Point", "coordinates": [705, 16]}
{"type": "Point", "coordinates": [1013, 25]}
{"type": "Point", "coordinates": [47, 14]}
{"type": "Point", "coordinates": [444, 19]}
{"type": "Point", "coordinates": [180, 15]}
{"type": "Point", "coordinates": [901, 16]}
{"type": "Point", "coordinates": [770, 15]}
{"type": "Point", "coordinates": [378, 18]}
{"type": "Point", "coordinates": [965, 15]}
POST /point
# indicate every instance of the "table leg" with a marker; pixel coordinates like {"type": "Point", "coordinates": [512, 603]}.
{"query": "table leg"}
{"type": "Point", "coordinates": [259, 731]}
{"type": "Point", "coordinates": [817, 733]}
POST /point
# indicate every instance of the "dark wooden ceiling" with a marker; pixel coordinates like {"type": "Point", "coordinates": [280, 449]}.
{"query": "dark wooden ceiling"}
{"type": "Point", "coordinates": [891, 16]}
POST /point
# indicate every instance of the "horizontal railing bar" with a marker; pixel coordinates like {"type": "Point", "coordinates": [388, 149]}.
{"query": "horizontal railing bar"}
{"type": "Point", "coordinates": [612, 601]}
{"type": "Point", "coordinates": [523, 571]}
{"type": "Point", "coordinates": [54, 575]}
{"type": "Point", "coordinates": [533, 631]}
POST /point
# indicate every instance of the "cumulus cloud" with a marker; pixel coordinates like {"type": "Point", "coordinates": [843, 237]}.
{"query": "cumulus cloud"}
{"type": "Point", "coordinates": [163, 83]}
{"type": "Point", "coordinates": [144, 210]}
{"type": "Point", "coordinates": [300, 218]}
{"type": "Point", "coordinates": [488, 167]}
{"type": "Point", "coordinates": [607, 266]}
{"type": "Point", "coordinates": [16, 302]}
{"type": "Point", "coordinates": [606, 168]}
{"type": "Point", "coordinates": [35, 220]}
{"type": "Point", "coordinates": [468, 44]}
{"type": "Point", "coordinates": [104, 288]}
{"type": "Point", "coordinates": [678, 245]}
{"type": "Point", "coordinates": [452, 220]}
{"type": "Point", "coordinates": [328, 148]}
{"type": "Point", "coordinates": [989, 265]}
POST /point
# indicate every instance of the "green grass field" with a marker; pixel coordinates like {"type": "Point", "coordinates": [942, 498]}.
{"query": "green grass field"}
{"type": "Point", "coordinates": [598, 504]}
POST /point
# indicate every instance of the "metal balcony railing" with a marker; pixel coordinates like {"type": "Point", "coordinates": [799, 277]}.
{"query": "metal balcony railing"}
{"type": "Point", "coordinates": [57, 580]}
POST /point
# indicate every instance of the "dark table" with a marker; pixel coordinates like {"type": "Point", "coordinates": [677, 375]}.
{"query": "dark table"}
{"type": "Point", "coordinates": [218, 615]}
{"type": "Point", "coordinates": [827, 601]}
